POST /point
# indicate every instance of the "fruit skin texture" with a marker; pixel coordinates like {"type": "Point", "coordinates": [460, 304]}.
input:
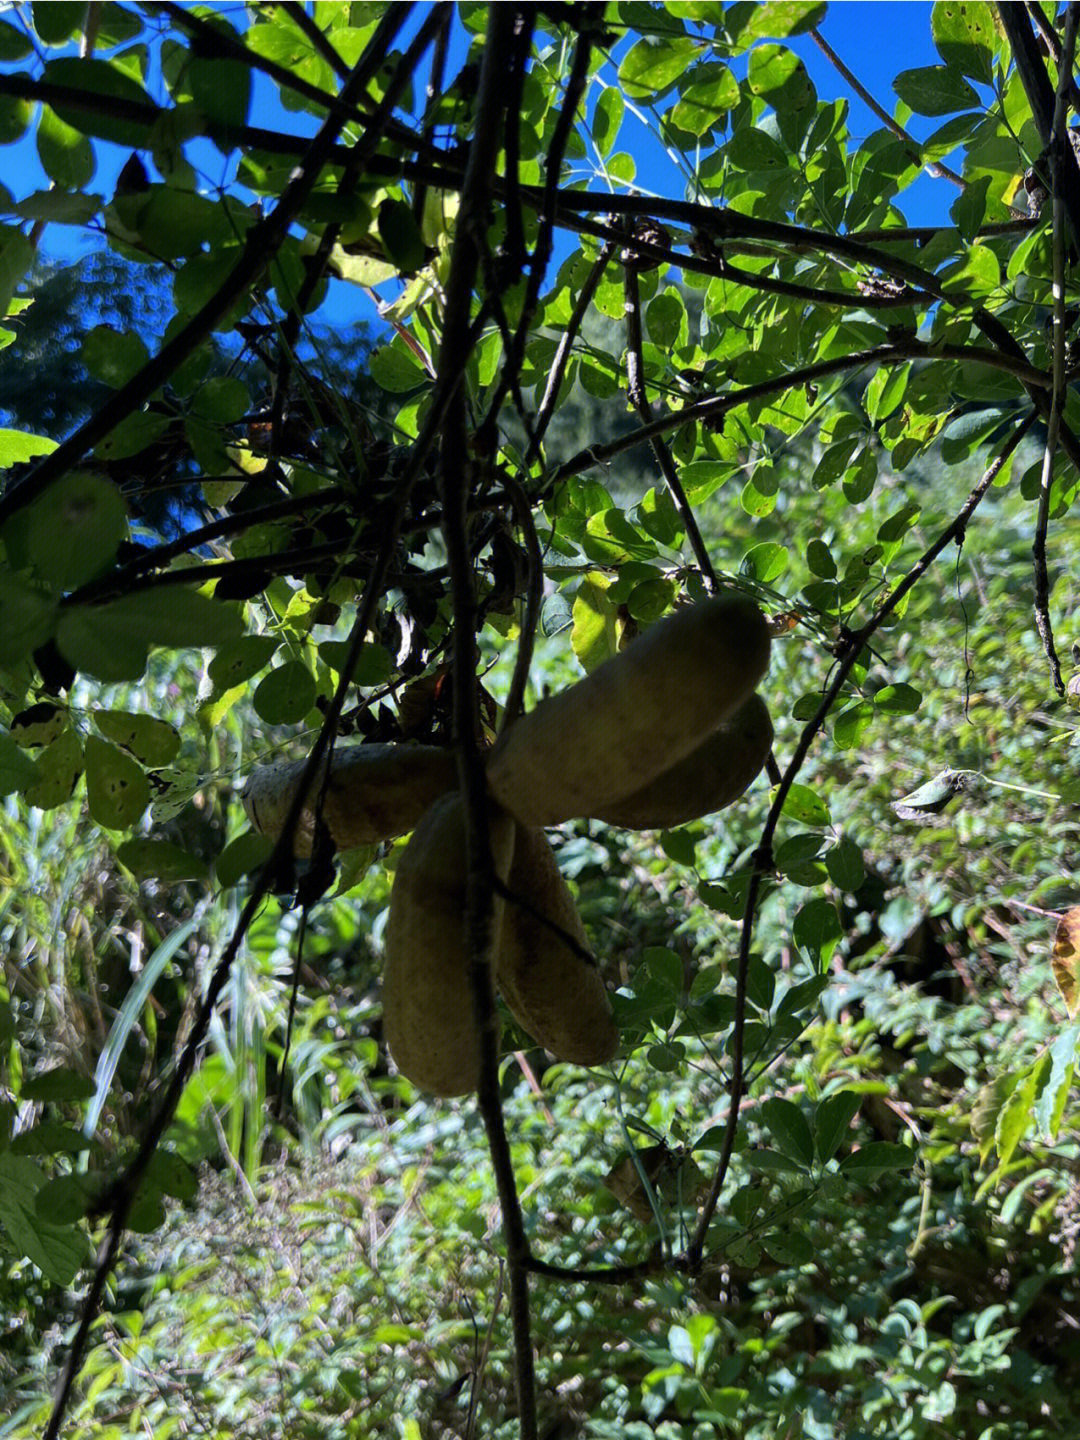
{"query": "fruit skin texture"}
{"type": "Point", "coordinates": [428, 1018]}
{"type": "Point", "coordinates": [553, 993]}
{"type": "Point", "coordinates": [709, 778]}
{"type": "Point", "coordinates": [376, 792]}
{"type": "Point", "coordinates": [634, 716]}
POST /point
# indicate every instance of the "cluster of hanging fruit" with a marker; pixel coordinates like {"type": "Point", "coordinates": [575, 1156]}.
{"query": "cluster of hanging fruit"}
{"type": "Point", "coordinates": [666, 731]}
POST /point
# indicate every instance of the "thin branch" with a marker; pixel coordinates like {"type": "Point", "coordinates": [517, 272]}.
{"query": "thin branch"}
{"type": "Point", "coordinates": [933, 167]}
{"type": "Point", "coordinates": [635, 385]}
{"type": "Point", "coordinates": [562, 352]}
{"type": "Point", "coordinates": [534, 595]}
{"type": "Point", "coordinates": [763, 854]}
{"type": "Point", "coordinates": [1059, 143]}
{"type": "Point", "coordinates": [1053, 44]}
{"type": "Point", "coordinates": [454, 481]}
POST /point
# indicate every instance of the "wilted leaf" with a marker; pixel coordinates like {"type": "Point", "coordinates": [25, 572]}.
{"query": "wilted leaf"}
{"type": "Point", "coordinates": [1066, 960]}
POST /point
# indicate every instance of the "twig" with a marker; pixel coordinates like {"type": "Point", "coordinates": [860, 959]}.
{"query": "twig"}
{"type": "Point", "coordinates": [763, 855]}
{"type": "Point", "coordinates": [1058, 144]}
{"type": "Point", "coordinates": [635, 385]}
{"type": "Point", "coordinates": [534, 594]}
{"type": "Point", "coordinates": [933, 167]}
{"type": "Point", "coordinates": [454, 483]}
{"type": "Point", "coordinates": [562, 351]}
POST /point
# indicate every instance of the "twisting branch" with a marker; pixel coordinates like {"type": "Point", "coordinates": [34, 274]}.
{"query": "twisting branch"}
{"type": "Point", "coordinates": [454, 481]}
{"type": "Point", "coordinates": [635, 385]}
{"type": "Point", "coordinates": [763, 855]}
{"type": "Point", "coordinates": [565, 346]}
{"type": "Point", "coordinates": [1059, 143]}
{"type": "Point", "coordinates": [934, 168]}
{"type": "Point", "coordinates": [261, 244]}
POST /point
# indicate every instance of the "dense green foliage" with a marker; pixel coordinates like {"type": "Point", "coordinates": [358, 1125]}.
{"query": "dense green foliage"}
{"type": "Point", "coordinates": [834, 1163]}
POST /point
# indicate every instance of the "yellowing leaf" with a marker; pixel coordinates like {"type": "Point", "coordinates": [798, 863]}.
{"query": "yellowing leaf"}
{"type": "Point", "coordinates": [1066, 959]}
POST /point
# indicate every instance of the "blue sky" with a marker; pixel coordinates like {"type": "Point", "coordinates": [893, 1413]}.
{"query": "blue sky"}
{"type": "Point", "coordinates": [876, 40]}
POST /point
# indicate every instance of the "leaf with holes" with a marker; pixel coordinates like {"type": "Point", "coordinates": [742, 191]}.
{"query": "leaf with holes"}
{"type": "Point", "coordinates": [117, 790]}
{"type": "Point", "coordinates": [1066, 960]}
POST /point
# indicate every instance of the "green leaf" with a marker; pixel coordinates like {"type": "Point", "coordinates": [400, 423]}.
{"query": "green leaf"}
{"type": "Point", "coordinates": [49, 1137]}
{"type": "Point", "coordinates": [607, 120]}
{"type": "Point", "coordinates": [67, 157]}
{"type": "Point", "coordinates": [117, 790]}
{"type": "Point", "coordinates": [844, 863]}
{"type": "Point", "coordinates": [57, 20]}
{"type": "Point", "coordinates": [656, 63]}
{"type": "Point", "coordinates": [160, 860]}
{"type": "Point", "coordinates": [817, 929]}
{"type": "Point", "coordinates": [832, 1122]}
{"type": "Point", "coordinates": [247, 853]}
{"type": "Point", "coordinates": [74, 530]}
{"type": "Point", "coordinates": [875, 1159]}
{"type": "Point", "coordinates": [57, 772]}
{"type": "Point", "coordinates": [765, 562]}
{"type": "Point", "coordinates": [966, 37]}
{"type": "Point", "coordinates": [804, 804]}
{"type": "Point", "coordinates": [104, 78]}
{"type": "Point", "coordinates": [132, 436]}
{"type": "Point", "coordinates": [395, 368]}
{"type": "Point", "coordinates": [239, 661]}
{"type": "Point", "coordinates": [17, 770]}
{"type": "Point", "coordinates": [400, 234]}
{"type": "Point", "coordinates": [897, 699]}
{"type": "Point", "coordinates": [16, 258]}
{"type": "Point", "coordinates": [222, 400]}
{"type": "Point", "coordinates": [14, 43]}
{"type": "Point", "coordinates": [819, 559]}
{"type": "Point", "coordinates": [286, 695]}
{"type": "Point", "coordinates": [777, 19]}
{"type": "Point", "coordinates": [153, 742]}
{"type": "Point", "coordinates": [595, 635]}
{"type": "Point", "coordinates": [851, 724]}
{"type": "Point", "coordinates": [611, 540]}
{"type": "Point", "coordinates": [111, 640]}
{"type": "Point", "coordinates": [57, 1252]}
{"type": "Point", "coordinates": [704, 102]}
{"type": "Point", "coordinates": [935, 90]}
{"type": "Point", "coordinates": [220, 88]}
{"type": "Point", "coordinates": [27, 619]}
{"type": "Point", "coordinates": [56, 1084]}
{"type": "Point", "coordinates": [113, 356]}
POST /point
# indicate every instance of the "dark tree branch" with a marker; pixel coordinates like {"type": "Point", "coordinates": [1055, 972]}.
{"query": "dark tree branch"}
{"type": "Point", "coordinates": [1030, 66]}
{"type": "Point", "coordinates": [635, 386]}
{"type": "Point", "coordinates": [455, 476]}
{"type": "Point", "coordinates": [563, 349]}
{"type": "Point", "coordinates": [1058, 145]}
{"type": "Point", "coordinates": [534, 595]}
